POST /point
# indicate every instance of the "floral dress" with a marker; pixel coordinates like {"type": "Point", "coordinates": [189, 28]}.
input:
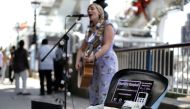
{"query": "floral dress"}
{"type": "Point", "coordinates": [105, 67]}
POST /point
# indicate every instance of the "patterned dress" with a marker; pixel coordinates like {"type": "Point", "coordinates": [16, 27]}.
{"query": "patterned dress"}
{"type": "Point", "coordinates": [105, 67]}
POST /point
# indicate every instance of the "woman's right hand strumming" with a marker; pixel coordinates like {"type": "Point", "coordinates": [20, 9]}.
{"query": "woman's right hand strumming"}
{"type": "Point", "coordinates": [78, 65]}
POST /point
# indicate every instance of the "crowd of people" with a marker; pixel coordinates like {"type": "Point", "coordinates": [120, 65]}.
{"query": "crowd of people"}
{"type": "Point", "coordinates": [54, 61]}
{"type": "Point", "coordinates": [6, 64]}
{"type": "Point", "coordinates": [15, 65]}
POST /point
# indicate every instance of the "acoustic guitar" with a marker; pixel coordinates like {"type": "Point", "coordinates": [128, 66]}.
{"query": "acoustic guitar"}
{"type": "Point", "coordinates": [86, 72]}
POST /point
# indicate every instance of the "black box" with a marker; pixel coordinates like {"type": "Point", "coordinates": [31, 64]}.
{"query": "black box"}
{"type": "Point", "coordinates": [45, 105]}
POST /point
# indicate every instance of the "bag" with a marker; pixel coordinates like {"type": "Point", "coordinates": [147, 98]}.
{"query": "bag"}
{"type": "Point", "coordinates": [61, 61]}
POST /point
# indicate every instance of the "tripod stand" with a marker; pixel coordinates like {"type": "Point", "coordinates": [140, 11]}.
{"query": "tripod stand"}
{"type": "Point", "coordinates": [66, 38]}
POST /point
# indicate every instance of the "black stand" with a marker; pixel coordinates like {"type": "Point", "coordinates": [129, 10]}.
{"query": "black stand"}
{"type": "Point", "coordinates": [66, 38]}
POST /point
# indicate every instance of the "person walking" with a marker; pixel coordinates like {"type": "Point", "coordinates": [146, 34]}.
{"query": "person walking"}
{"type": "Point", "coordinates": [100, 36]}
{"type": "Point", "coordinates": [1, 61]}
{"type": "Point", "coordinates": [45, 67]}
{"type": "Point", "coordinates": [20, 67]}
{"type": "Point", "coordinates": [4, 67]}
{"type": "Point", "coordinates": [11, 72]}
{"type": "Point", "coordinates": [59, 64]}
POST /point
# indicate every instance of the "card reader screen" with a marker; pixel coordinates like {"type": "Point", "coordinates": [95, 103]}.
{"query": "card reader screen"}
{"type": "Point", "coordinates": [142, 95]}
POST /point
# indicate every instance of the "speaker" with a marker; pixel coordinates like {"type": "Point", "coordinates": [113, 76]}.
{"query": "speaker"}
{"type": "Point", "coordinates": [45, 105]}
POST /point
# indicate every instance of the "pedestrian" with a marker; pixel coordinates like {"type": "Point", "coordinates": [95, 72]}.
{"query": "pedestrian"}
{"type": "Point", "coordinates": [10, 71]}
{"type": "Point", "coordinates": [21, 67]}
{"type": "Point", "coordinates": [1, 61]}
{"type": "Point", "coordinates": [45, 67]}
{"type": "Point", "coordinates": [100, 36]}
{"type": "Point", "coordinates": [59, 64]}
{"type": "Point", "coordinates": [4, 67]}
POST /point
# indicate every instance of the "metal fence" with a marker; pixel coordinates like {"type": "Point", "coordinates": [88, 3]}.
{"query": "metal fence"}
{"type": "Point", "coordinates": [172, 61]}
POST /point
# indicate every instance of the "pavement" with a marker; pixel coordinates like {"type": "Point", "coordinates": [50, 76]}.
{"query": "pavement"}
{"type": "Point", "coordinates": [9, 99]}
{"type": "Point", "coordinates": [179, 103]}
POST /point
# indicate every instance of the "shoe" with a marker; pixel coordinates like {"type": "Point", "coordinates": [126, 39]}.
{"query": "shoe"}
{"type": "Point", "coordinates": [49, 93]}
{"type": "Point", "coordinates": [19, 93]}
{"type": "Point", "coordinates": [42, 94]}
{"type": "Point", "coordinates": [26, 93]}
{"type": "Point", "coordinates": [11, 81]}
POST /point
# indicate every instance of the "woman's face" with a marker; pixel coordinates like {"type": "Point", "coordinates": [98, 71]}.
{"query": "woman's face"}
{"type": "Point", "coordinates": [93, 13]}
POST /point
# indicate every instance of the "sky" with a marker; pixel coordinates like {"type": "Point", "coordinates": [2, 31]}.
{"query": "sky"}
{"type": "Point", "coordinates": [12, 12]}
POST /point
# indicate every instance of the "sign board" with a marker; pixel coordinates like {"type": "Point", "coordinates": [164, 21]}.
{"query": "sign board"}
{"type": "Point", "coordinates": [132, 90]}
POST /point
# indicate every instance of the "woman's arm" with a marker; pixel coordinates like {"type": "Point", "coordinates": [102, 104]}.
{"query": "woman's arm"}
{"type": "Point", "coordinates": [80, 53]}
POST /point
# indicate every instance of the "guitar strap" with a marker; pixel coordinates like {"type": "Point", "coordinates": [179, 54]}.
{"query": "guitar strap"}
{"type": "Point", "coordinates": [95, 38]}
{"type": "Point", "coordinates": [99, 35]}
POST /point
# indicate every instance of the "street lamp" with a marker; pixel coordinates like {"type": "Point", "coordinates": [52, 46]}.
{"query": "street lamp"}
{"type": "Point", "coordinates": [35, 5]}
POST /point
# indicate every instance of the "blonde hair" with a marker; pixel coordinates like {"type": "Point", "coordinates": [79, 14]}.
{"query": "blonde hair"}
{"type": "Point", "coordinates": [100, 10]}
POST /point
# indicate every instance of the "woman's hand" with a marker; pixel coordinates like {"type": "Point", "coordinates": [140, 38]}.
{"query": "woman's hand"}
{"type": "Point", "coordinates": [78, 65]}
{"type": "Point", "coordinates": [90, 58]}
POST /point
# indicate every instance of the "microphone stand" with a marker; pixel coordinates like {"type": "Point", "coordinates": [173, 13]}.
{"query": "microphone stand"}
{"type": "Point", "coordinates": [66, 38]}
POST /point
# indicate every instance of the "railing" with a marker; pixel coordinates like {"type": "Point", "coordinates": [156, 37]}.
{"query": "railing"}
{"type": "Point", "coordinates": [172, 61]}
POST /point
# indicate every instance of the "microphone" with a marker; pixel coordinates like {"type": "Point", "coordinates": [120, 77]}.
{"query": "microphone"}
{"type": "Point", "coordinates": [78, 15]}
